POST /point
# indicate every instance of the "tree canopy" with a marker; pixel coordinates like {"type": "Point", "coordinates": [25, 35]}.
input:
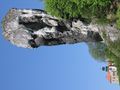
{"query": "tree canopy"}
{"type": "Point", "coordinates": [97, 50]}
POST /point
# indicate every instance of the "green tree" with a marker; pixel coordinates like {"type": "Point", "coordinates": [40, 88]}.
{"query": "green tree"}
{"type": "Point", "coordinates": [97, 50]}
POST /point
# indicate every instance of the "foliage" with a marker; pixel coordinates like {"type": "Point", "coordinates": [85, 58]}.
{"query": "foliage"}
{"type": "Point", "coordinates": [78, 8]}
{"type": "Point", "coordinates": [118, 16]}
{"type": "Point", "coordinates": [98, 11]}
{"type": "Point", "coordinates": [97, 50]}
{"type": "Point", "coordinates": [113, 53]}
{"type": "Point", "coordinates": [62, 8]}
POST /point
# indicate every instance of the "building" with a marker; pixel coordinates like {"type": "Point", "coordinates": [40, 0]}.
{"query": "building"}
{"type": "Point", "coordinates": [112, 75]}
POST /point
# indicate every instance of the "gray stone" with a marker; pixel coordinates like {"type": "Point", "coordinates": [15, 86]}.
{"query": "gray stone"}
{"type": "Point", "coordinates": [31, 28]}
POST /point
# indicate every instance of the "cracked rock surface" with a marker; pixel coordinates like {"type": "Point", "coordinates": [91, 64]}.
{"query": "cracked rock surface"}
{"type": "Point", "coordinates": [31, 28]}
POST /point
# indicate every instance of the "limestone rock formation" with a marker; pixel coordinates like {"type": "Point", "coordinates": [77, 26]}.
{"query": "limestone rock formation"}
{"type": "Point", "coordinates": [31, 28]}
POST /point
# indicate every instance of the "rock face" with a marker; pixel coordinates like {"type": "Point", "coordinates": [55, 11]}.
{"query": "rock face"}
{"type": "Point", "coordinates": [31, 28]}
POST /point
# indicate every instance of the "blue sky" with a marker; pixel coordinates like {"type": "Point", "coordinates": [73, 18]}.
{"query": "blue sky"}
{"type": "Point", "coordinates": [64, 67]}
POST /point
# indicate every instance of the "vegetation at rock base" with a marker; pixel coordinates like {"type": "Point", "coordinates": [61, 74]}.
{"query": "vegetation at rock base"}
{"type": "Point", "coordinates": [100, 11]}
{"type": "Point", "coordinates": [78, 8]}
